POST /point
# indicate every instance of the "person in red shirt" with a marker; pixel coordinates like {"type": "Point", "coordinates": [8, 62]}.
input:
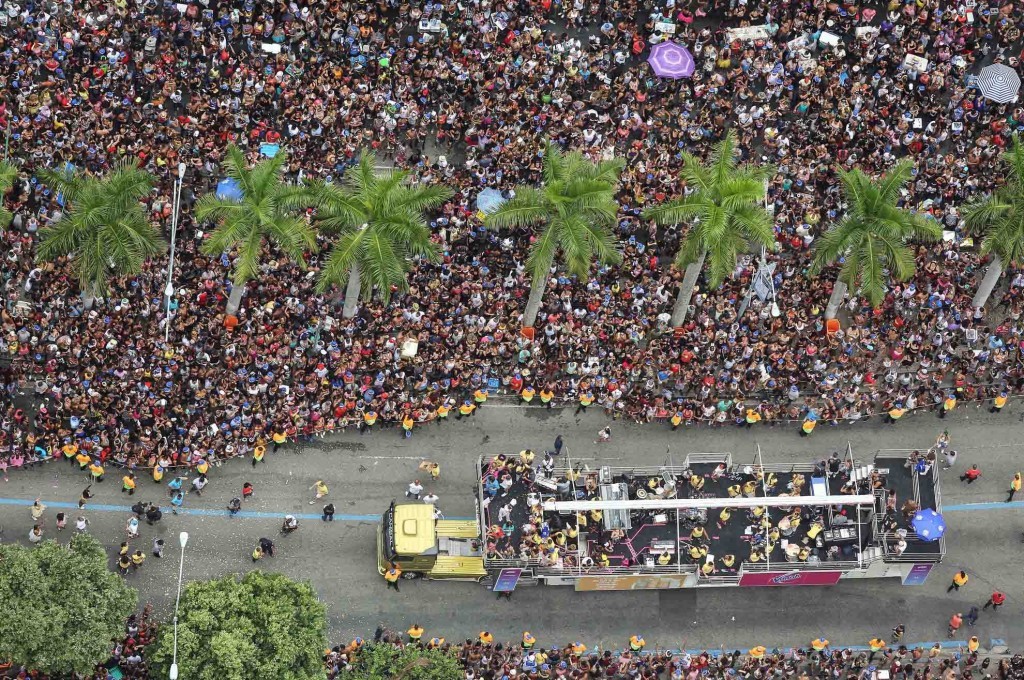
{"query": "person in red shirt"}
{"type": "Point", "coordinates": [972, 474]}
{"type": "Point", "coordinates": [996, 601]}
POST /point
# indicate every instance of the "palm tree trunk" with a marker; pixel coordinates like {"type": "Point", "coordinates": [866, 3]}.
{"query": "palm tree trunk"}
{"type": "Point", "coordinates": [988, 284]}
{"type": "Point", "coordinates": [834, 302]}
{"type": "Point", "coordinates": [686, 291]}
{"type": "Point", "coordinates": [537, 288]}
{"type": "Point", "coordinates": [88, 299]}
{"type": "Point", "coordinates": [235, 299]}
{"type": "Point", "coordinates": [352, 292]}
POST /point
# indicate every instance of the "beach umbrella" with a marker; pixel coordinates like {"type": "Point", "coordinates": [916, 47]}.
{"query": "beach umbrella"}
{"type": "Point", "coordinates": [671, 60]}
{"type": "Point", "coordinates": [928, 525]}
{"type": "Point", "coordinates": [488, 200]}
{"type": "Point", "coordinates": [229, 190]}
{"type": "Point", "coordinates": [998, 82]}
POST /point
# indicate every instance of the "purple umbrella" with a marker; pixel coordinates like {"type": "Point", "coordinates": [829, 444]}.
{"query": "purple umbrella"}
{"type": "Point", "coordinates": [671, 60]}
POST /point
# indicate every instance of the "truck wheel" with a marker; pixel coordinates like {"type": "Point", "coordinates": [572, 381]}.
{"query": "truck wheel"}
{"type": "Point", "coordinates": [410, 575]}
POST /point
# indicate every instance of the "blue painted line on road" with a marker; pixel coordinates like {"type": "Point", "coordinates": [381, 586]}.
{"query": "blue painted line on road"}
{"type": "Point", "coordinates": [255, 514]}
{"type": "Point", "coordinates": [204, 512]}
{"type": "Point", "coordinates": [966, 507]}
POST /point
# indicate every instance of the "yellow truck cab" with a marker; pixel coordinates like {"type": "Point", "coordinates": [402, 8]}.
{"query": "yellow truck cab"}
{"type": "Point", "coordinates": [422, 546]}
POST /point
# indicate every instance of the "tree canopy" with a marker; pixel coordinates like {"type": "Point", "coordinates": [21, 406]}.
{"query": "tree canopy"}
{"type": "Point", "coordinates": [62, 606]}
{"type": "Point", "coordinates": [257, 626]}
{"type": "Point", "coordinates": [379, 661]}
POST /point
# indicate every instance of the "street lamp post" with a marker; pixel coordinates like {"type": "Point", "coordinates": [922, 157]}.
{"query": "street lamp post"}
{"type": "Point", "coordinates": [183, 540]}
{"type": "Point", "coordinates": [169, 290]}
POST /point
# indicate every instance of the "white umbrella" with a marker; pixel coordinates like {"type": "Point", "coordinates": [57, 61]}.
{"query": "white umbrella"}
{"type": "Point", "coordinates": [999, 82]}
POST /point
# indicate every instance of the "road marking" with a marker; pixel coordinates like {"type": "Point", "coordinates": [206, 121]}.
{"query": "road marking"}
{"type": "Point", "coordinates": [967, 507]}
{"type": "Point", "coordinates": [204, 512]}
{"type": "Point", "coordinates": [715, 653]}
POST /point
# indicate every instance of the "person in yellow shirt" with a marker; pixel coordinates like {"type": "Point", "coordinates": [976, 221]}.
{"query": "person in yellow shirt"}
{"type": "Point", "coordinates": [947, 405]}
{"type": "Point", "coordinates": [749, 488]}
{"type": "Point", "coordinates": [321, 490]}
{"type": "Point", "coordinates": [128, 484]}
{"type": "Point", "coordinates": [258, 452]}
{"type": "Point", "coordinates": [807, 427]}
{"type": "Point", "coordinates": [69, 449]}
{"type": "Point", "coordinates": [728, 561]}
{"type": "Point", "coordinates": [637, 643]}
{"type": "Point", "coordinates": [895, 413]}
{"type": "Point", "coordinates": [279, 438]}
{"type": "Point", "coordinates": [676, 420]}
{"type": "Point", "coordinates": [443, 410]}
{"type": "Point", "coordinates": [202, 467]}
{"type": "Point", "coordinates": [407, 424]}
{"type": "Point", "coordinates": [707, 569]}
{"type": "Point", "coordinates": [485, 638]}
{"type": "Point", "coordinates": [369, 419]}
{"type": "Point", "coordinates": [415, 633]}
{"type": "Point", "coordinates": [158, 473]}
{"type": "Point", "coordinates": [1014, 486]}
{"type": "Point", "coordinates": [876, 645]}
{"type": "Point", "coordinates": [664, 558]}
{"type": "Point", "coordinates": [546, 396]}
{"type": "Point", "coordinates": [391, 576]}
{"type": "Point", "coordinates": [435, 643]}
{"type": "Point", "coordinates": [696, 482]}
{"type": "Point", "coordinates": [528, 640]}
{"type": "Point", "coordinates": [467, 409]}
{"type": "Point", "coordinates": [528, 393]}
{"type": "Point", "coordinates": [999, 402]}
{"type": "Point", "coordinates": [480, 397]}
{"type": "Point", "coordinates": [734, 490]}
{"type": "Point", "coordinates": [83, 459]}
{"type": "Point", "coordinates": [96, 470]}
{"type": "Point", "coordinates": [959, 579]}
{"type": "Point", "coordinates": [752, 417]}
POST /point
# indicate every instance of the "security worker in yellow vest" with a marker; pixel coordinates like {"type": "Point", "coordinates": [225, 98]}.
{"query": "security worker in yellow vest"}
{"type": "Point", "coordinates": [697, 482]}
{"type": "Point", "coordinates": [258, 453]}
{"type": "Point", "coordinates": [485, 638]}
{"type": "Point", "coordinates": [999, 402]}
{"type": "Point", "coordinates": [728, 561]}
{"type": "Point", "coordinates": [546, 396]}
{"type": "Point", "coordinates": [202, 467]}
{"type": "Point", "coordinates": [415, 633]}
{"type": "Point", "coordinates": [158, 473]}
{"type": "Point", "coordinates": [443, 410]}
{"type": "Point", "coordinates": [257, 554]}
{"type": "Point", "coordinates": [708, 568]}
{"type": "Point", "coordinates": [807, 427]}
{"type": "Point", "coordinates": [698, 552]}
{"type": "Point", "coordinates": [128, 484]}
{"type": "Point", "coordinates": [895, 413]}
{"type": "Point", "coordinates": [698, 534]}
{"type": "Point", "coordinates": [466, 409]}
{"type": "Point", "coordinates": [1014, 486]}
{"type": "Point", "coordinates": [407, 424]}
{"type": "Point", "coordinates": [279, 438]}
{"type": "Point", "coordinates": [723, 517]}
{"type": "Point", "coordinates": [586, 399]}
{"type": "Point", "coordinates": [392, 575]}
{"type": "Point", "coordinates": [96, 470]}
{"type": "Point", "coordinates": [948, 404]}
{"type": "Point", "coordinates": [435, 642]}
{"type": "Point", "coordinates": [528, 394]}
{"type": "Point", "coordinates": [528, 640]}
{"type": "Point", "coordinates": [973, 644]}
{"type": "Point", "coordinates": [676, 420]}
{"type": "Point", "coordinates": [138, 557]}
{"type": "Point", "coordinates": [664, 558]}
{"type": "Point", "coordinates": [369, 419]}
{"type": "Point", "coordinates": [83, 459]}
{"type": "Point", "coordinates": [876, 645]}
{"type": "Point", "coordinates": [480, 397]}
{"type": "Point", "coordinates": [752, 417]}
{"type": "Point", "coordinates": [636, 643]}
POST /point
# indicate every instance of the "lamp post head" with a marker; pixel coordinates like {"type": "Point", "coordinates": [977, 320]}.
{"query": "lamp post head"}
{"type": "Point", "coordinates": [181, 171]}
{"type": "Point", "coordinates": [174, 671]}
{"type": "Point", "coordinates": [183, 539]}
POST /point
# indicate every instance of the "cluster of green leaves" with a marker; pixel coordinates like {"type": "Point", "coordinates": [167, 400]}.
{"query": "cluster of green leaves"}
{"type": "Point", "coordinates": [105, 232]}
{"type": "Point", "coordinates": [386, 662]}
{"type": "Point", "coordinates": [259, 626]}
{"type": "Point", "coordinates": [999, 216]}
{"type": "Point", "coordinates": [62, 607]}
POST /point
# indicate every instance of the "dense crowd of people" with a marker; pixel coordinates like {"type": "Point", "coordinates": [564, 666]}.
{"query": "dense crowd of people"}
{"type": "Point", "coordinates": [485, 659]}
{"type": "Point", "coordinates": [464, 94]}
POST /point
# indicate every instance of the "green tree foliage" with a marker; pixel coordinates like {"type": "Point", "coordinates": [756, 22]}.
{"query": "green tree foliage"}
{"type": "Point", "coordinates": [62, 608]}
{"type": "Point", "coordinates": [259, 626]}
{"type": "Point", "coordinates": [385, 662]}
{"type": "Point", "coordinates": [8, 175]}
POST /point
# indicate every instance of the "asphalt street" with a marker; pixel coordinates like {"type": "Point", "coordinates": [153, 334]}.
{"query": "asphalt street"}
{"type": "Point", "coordinates": [365, 472]}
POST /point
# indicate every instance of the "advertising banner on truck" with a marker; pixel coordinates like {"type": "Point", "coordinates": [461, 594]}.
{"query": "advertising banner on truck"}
{"type": "Point", "coordinates": [791, 578]}
{"type": "Point", "coordinates": [631, 582]}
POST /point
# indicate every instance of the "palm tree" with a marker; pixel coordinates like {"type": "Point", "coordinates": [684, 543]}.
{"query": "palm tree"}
{"type": "Point", "coordinates": [8, 175]}
{"type": "Point", "coordinates": [577, 207]}
{"type": "Point", "coordinates": [265, 212]}
{"type": "Point", "coordinates": [105, 231]}
{"type": "Point", "coordinates": [727, 211]}
{"type": "Point", "coordinates": [871, 240]}
{"type": "Point", "coordinates": [381, 226]}
{"type": "Point", "coordinates": [1000, 217]}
